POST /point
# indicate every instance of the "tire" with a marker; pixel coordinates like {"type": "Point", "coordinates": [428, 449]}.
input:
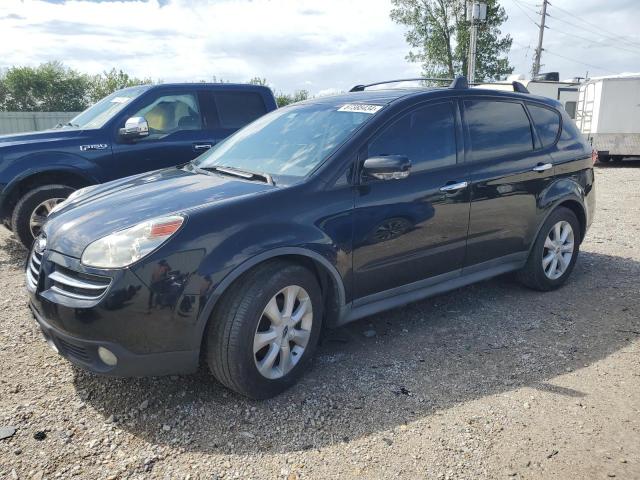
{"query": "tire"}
{"type": "Point", "coordinates": [22, 212]}
{"type": "Point", "coordinates": [240, 318]}
{"type": "Point", "coordinates": [533, 275]}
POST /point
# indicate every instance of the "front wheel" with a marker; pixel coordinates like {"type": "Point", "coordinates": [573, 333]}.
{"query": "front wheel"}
{"type": "Point", "coordinates": [554, 252]}
{"type": "Point", "coordinates": [33, 208]}
{"type": "Point", "coordinates": [265, 330]}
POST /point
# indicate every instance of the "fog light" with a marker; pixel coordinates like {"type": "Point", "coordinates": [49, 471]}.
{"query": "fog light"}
{"type": "Point", "coordinates": [107, 356]}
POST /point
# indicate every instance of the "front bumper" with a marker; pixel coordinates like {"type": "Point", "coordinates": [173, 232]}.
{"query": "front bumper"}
{"type": "Point", "coordinates": [150, 327]}
{"type": "Point", "coordinates": [84, 353]}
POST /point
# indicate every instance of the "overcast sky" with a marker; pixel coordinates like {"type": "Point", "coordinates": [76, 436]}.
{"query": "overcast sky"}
{"type": "Point", "coordinates": [321, 45]}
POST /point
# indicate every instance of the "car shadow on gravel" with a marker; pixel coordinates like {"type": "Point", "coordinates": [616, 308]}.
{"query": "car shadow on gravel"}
{"type": "Point", "coordinates": [392, 368]}
{"type": "Point", "coordinates": [626, 163]}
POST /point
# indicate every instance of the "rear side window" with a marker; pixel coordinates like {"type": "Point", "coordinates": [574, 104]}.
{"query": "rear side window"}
{"type": "Point", "coordinates": [497, 129]}
{"type": "Point", "coordinates": [547, 123]}
{"type": "Point", "coordinates": [236, 109]}
{"type": "Point", "coordinates": [427, 136]}
{"type": "Point", "coordinates": [231, 109]}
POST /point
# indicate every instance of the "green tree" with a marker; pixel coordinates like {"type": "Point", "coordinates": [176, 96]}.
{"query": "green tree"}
{"type": "Point", "coordinates": [108, 82]}
{"type": "Point", "coordinates": [283, 99]}
{"type": "Point", "coordinates": [438, 34]}
{"type": "Point", "coordinates": [50, 87]}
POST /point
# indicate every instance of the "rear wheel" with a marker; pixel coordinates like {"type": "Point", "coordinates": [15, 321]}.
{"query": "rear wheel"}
{"type": "Point", "coordinates": [265, 330]}
{"type": "Point", "coordinates": [554, 252]}
{"type": "Point", "coordinates": [33, 208]}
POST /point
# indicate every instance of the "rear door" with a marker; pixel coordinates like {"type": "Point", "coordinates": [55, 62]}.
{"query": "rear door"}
{"type": "Point", "coordinates": [411, 230]}
{"type": "Point", "coordinates": [509, 170]}
{"type": "Point", "coordinates": [225, 111]}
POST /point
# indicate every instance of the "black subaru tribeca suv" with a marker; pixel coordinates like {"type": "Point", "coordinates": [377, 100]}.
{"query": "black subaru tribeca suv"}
{"type": "Point", "coordinates": [312, 216]}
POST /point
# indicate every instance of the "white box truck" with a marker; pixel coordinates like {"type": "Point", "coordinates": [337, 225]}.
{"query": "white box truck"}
{"type": "Point", "coordinates": [608, 113]}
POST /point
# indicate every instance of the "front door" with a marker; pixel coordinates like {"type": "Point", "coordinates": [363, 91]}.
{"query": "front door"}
{"type": "Point", "coordinates": [177, 134]}
{"type": "Point", "coordinates": [414, 229]}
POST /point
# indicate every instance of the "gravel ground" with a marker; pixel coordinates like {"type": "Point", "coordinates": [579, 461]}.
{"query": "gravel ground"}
{"type": "Point", "coordinates": [491, 381]}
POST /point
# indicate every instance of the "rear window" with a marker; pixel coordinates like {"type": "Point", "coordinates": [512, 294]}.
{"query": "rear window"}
{"type": "Point", "coordinates": [231, 109]}
{"type": "Point", "coordinates": [497, 129]}
{"type": "Point", "coordinates": [547, 123]}
{"type": "Point", "coordinates": [236, 109]}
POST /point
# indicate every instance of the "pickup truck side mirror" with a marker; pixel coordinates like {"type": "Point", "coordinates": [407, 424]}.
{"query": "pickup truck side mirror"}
{"type": "Point", "coordinates": [388, 167]}
{"type": "Point", "coordinates": [135, 127]}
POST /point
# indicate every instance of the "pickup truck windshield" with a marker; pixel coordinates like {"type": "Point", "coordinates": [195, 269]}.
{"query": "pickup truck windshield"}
{"type": "Point", "coordinates": [289, 142]}
{"type": "Point", "coordinates": [100, 113]}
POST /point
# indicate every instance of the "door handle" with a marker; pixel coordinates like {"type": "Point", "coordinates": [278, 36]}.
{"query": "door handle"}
{"type": "Point", "coordinates": [452, 187]}
{"type": "Point", "coordinates": [541, 167]}
{"type": "Point", "coordinates": [201, 147]}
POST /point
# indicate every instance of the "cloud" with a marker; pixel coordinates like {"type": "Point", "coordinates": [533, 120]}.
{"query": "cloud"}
{"type": "Point", "coordinates": [327, 45]}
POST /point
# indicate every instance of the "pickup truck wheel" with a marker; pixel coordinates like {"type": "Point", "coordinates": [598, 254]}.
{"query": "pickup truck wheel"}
{"type": "Point", "coordinates": [265, 330]}
{"type": "Point", "coordinates": [33, 208]}
{"type": "Point", "coordinates": [554, 252]}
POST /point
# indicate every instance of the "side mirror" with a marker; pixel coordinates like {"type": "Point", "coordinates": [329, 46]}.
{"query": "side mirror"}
{"type": "Point", "coordinates": [135, 127]}
{"type": "Point", "coordinates": [389, 167]}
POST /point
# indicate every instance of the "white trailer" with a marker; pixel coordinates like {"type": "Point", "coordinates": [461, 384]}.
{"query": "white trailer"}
{"type": "Point", "coordinates": [608, 113]}
{"type": "Point", "coordinates": [565, 92]}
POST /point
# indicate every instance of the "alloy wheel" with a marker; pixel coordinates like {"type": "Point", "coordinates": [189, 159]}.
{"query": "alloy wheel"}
{"type": "Point", "coordinates": [40, 214]}
{"type": "Point", "coordinates": [558, 250]}
{"type": "Point", "coordinates": [283, 332]}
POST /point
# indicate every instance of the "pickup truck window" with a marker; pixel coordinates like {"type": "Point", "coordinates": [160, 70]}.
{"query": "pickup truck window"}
{"type": "Point", "coordinates": [170, 113]}
{"type": "Point", "coordinates": [231, 110]}
{"type": "Point", "coordinates": [103, 111]}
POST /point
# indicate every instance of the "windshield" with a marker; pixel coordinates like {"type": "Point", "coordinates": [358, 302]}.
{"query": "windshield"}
{"type": "Point", "coordinates": [289, 142]}
{"type": "Point", "coordinates": [100, 113]}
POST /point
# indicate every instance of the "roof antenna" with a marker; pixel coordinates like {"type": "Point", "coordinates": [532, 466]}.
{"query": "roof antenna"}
{"type": "Point", "coordinates": [459, 83]}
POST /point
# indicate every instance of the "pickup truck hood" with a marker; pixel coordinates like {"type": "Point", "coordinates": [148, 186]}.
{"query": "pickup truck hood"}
{"type": "Point", "coordinates": [38, 137]}
{"type": "Point", "coordinates": [116, 205]}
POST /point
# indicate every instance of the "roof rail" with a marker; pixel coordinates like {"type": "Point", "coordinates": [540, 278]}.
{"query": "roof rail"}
{"type": "Point", "coordinates": [454, 83]}
{"type": "Point", "coordinates": [518, 87]}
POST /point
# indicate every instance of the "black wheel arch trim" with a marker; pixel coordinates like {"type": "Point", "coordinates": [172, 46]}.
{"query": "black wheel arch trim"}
{"type": "Point", "coordinates": [213, 297]}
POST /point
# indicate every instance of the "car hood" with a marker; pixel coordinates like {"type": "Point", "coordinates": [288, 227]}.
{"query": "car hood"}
{"type": "Point", "coordinates": [116, 205]}
{"type": "Point", "coordinates": [37, 137]}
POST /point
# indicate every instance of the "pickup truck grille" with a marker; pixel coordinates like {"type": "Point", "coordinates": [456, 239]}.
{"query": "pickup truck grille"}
{"type": "Point", "coordinates": [33, 270]}
{"type": "Point", "coordinates": [81, 286]}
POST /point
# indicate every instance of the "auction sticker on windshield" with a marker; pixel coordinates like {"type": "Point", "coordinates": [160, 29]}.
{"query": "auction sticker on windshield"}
{"type": "Point", "coordinates": [360, 108]}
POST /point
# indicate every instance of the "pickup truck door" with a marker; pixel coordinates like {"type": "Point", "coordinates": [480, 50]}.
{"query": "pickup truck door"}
{"type": "Point", "coordinates": [177, 134]}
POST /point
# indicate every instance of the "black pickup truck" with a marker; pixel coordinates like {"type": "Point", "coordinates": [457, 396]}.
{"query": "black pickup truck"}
{"type": "Point", "coordinates": [133, 130]}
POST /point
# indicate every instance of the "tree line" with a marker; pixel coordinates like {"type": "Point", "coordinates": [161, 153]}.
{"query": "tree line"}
{"type": "Point", "coordinates": [54, 87]}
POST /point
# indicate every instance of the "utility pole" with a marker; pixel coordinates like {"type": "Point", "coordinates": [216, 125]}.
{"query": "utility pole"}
{"type": "Point", "coordinates": [476, 12]}
{"type": "Point", "coordinates": [536, 63]}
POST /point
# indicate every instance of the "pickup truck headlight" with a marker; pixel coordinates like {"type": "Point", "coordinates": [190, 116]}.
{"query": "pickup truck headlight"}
{"type": "Point", "coordinates": [125, 247]}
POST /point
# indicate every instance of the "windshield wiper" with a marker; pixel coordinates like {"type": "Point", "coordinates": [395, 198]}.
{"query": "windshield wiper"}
{"type": "Point", "coordinates": [246, 174]}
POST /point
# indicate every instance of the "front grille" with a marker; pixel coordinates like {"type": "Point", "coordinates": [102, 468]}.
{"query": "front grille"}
{"type": "Point", "coordinates": [74, 351]}
{"type": "Point", "coordinates": [81, 286]}
{"type": "Point", "coordinates": [33, 269]}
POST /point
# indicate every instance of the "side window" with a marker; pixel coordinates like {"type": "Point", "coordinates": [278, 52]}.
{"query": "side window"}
{"type": "Point", "coordinates": [236, 109]}
{"type": "Point", "coordinates": [547, 123]}
{"type": "Point", "coordinates": [570, 107]}
{"type": "Point", "coordinates": [170, 113]}
{"type": "Point", "coordinates": [427, 136]}
{"type": "Point", "coordinates": [497, 128]}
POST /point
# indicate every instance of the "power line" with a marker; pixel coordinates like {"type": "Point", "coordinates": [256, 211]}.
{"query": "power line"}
{"type": "Point", "coordinates": [569, 58]}
{"type": "Point", "coordinates": [595, 42]}
{"type": "Point", "coordinates": [599, 27]}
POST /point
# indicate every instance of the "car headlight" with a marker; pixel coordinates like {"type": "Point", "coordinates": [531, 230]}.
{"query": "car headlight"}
{"type": "Point", "coordinates": [69, 199]}
{"type": "Point", "coordinates": [125, 247]}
